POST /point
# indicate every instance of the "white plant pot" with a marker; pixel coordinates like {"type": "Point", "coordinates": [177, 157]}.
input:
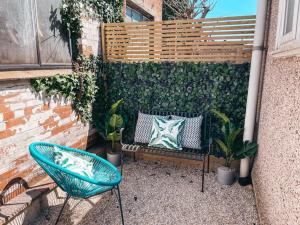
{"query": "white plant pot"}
{"type": "Point", "coordinates": [114, 158]}
{"type": "Point", "coordinates": [226, 175]}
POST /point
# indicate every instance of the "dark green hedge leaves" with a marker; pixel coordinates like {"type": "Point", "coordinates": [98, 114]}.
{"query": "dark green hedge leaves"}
{"type": "Point", "coordinates": [184, 86]}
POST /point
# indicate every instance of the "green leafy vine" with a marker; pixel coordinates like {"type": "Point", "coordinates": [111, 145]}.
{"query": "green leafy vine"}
{"type": "Point", "coordinates": [81, 85]}
{"type": "Point", "coordinates": [72, 13]}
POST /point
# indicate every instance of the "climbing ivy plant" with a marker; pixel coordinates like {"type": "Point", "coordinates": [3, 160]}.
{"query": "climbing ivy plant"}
{"type": "Point", "coordinates": [72, 13]}
{"type": "Point", "coordinates": [81, 85]}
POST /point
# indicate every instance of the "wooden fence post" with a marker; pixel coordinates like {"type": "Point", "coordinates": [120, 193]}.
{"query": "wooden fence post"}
{"type": "Point", "coordinates": [103, 47]}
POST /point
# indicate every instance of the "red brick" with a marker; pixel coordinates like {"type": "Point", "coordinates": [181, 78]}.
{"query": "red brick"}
{"type": "Point", "coordinates": [3, 183]}
{"type": "Point", "coordinates": [21, 159]}
{"type": "Point", "coordinates": [45, 107]}
{"type": "Point", "coordinates": [9, 174]}
{"type": "Point", "coordinates": [7, 133]}
{"type": "Point", "coordinates": [4, 97]}
{"type": "Point", "coordinates": [62, 128]}
{"type": "Point", "coordinates": [8, 115]}
{"type": "Point", "coordinates": [28, 111]}
{"type": "Point", "coordinates": [49, 123]}
{"type": "Point", "coordinates": [63, 111]}
{"type": "Point", "coordinates": [15, 122]}
{"type": "Point", "coordinates": [81, 144]}
{"type": "Point", "coordinates": [4, 108]}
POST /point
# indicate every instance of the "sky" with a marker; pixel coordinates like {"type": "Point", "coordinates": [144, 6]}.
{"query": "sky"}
{"type": "Point", "coordinates": [233, 8]}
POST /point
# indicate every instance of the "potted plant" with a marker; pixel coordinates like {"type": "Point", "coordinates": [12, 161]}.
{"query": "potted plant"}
{"type": "Point", "coordinates": [233, 148]}
{"type": "Point", "coordinates": [109, 128]}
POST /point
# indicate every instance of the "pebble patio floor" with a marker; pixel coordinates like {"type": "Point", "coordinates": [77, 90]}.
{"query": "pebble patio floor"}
{"type": "Point", "coordinates": [154, 193]}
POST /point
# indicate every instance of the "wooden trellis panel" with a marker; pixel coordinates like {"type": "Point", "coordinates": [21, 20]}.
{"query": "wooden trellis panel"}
{"type": "Point", "coordinates": [197, 40]}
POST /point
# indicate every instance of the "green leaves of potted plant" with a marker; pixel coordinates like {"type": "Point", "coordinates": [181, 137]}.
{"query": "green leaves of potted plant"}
{"type": "Point", "coordinates": [233, 147]}
{"type": "Point", "coordinates": [109, 128]}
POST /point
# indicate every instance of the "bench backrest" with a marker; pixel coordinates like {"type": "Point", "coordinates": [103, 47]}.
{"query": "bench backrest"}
{"type": "Point", "coordinates": [206, 122]}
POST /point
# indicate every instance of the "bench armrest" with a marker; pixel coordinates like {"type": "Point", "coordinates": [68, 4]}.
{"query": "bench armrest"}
{"type": "Point", "coordinates": [121, 136]}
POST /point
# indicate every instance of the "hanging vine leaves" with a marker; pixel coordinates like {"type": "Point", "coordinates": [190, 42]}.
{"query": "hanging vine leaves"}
{"type": "Point", "coordinates": [72, 13]}
{"type": "Point", "coordinates": [81, 86]}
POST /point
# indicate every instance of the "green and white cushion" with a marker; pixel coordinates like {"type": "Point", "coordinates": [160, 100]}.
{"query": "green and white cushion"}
{"type": "Point", "coordinates": [166, 133]}
{"type": "Point", "coordinates": [143, 127]}
{"type": "Point", "coordinates": [73, 163]}
{"type": "Point", "coordinates": [191, 137]}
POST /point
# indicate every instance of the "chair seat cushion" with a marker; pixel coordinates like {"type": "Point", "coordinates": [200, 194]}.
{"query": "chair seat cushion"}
{"type": "Point", "coordinates": [143, 127]}
{"type": "Point", "coordinates": [191, 137]}
{"type": "Point", "coordinates": [74, 163]}
{"type": "Point", "coordinates": [166, 133]}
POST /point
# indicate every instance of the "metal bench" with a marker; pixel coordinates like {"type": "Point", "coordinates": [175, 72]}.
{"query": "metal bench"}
{"type": "Point", "coordinates": [192, 154]}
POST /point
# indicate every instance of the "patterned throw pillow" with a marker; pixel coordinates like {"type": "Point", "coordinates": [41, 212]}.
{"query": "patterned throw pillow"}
{"type": "Point", "coordinates": [73, 163]}
{"type": "Point", "coordinates": [191, 137]}
{"type": "Point", "coordinates": [143, 127]}
{"type": "Point", "coordinates": [166, 133]}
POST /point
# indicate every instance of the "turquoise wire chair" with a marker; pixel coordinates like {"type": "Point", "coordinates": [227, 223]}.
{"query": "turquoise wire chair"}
{"type": "Point", "coordinates": [106, 176]}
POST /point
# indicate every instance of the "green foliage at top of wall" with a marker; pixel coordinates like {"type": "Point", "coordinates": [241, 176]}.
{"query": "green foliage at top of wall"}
{"type": "Point", "coordinates": [184, 86]}
{"type": "Point", "coordinates": [72, 13]}
{"type": "Point", "coordinates": [80, 87]}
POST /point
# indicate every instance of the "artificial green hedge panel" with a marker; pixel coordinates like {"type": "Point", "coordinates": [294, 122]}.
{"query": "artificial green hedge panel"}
{"type": "Point", "coordinates": [184, 86]}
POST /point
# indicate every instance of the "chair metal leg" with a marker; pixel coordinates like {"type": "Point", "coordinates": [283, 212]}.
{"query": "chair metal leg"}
{"type": "Point", "coordinates": [120, 204]}
{"type": "Point", "coordinates": [62, 209]}
{"type": "Point", "coordinates": [203, 171]}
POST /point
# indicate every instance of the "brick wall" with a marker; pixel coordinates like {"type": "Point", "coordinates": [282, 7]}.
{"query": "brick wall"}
{"type": "Point", "coordinates": [26, 117]}
{"type": "Point", "coordinates": [153, 7]}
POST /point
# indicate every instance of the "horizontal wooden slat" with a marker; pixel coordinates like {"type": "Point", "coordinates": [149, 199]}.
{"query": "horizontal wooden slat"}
{"type": "Point", "coordinates": [191, 29]}
{"type": "Point", "coordinates": [178, 48]}
{"type": "Point", "coordinates": [220, 39]}
{"type": "Point", "coordinates": [181, 39]}
{"type": "Point", "coordinates": [179, 26]}
{"type": "Point", "coordinates": [183, 34]}
{"type": "Point", "coordinates": [132, 44]}
{"type": "Point", "coordinates": [189, 20]}
{"type": "Point", "coordinates": [236, 60]}
{"type": "Point", "coordinates": [180, 56]}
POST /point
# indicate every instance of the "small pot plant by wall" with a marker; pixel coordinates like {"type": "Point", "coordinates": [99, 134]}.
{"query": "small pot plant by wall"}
{"type": "Point", "coordinates": [109, 128]}
{"type": "Point", "coordinates": [232, 145]}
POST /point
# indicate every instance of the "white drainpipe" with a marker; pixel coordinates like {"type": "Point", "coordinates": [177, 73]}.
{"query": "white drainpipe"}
{"type": "Point", "coordinates": [255, 71]}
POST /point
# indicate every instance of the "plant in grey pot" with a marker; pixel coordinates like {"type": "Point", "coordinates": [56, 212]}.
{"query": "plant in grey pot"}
{"type": "Point", "coordinates": [233, 147]}
{"type": "Point", "coordinates": [109, 128]}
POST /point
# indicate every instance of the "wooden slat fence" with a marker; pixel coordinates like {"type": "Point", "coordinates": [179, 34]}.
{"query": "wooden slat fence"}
{"type": "Point", "coordinates": [197, 40]}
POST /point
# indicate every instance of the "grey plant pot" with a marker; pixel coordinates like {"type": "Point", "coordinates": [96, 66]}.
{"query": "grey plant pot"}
{"type": "Point", "coordinates": [114, 158]}
{"type": "Point", "coordinates": [226, 175]}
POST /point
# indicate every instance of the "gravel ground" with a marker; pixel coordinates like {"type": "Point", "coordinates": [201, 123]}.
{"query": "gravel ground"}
{"type": "Point", "coordinates": [155, 194]}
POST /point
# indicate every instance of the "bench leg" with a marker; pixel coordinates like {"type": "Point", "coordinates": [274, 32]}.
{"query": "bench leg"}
{"type": "Point", "coordinates": [207, 171]}
{"type": "Point", "coordinates": [134, 158]}
{"type": "Point", "coordinates": [122, 161]}
{"type": "Point", "coordinates": [203, 171]}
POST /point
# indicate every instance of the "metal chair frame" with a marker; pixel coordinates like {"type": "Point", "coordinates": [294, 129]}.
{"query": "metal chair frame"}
{"type": "Point", "coordinates": [118, 196]}
{"type": "Point", "coordinates": [63, 176]}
